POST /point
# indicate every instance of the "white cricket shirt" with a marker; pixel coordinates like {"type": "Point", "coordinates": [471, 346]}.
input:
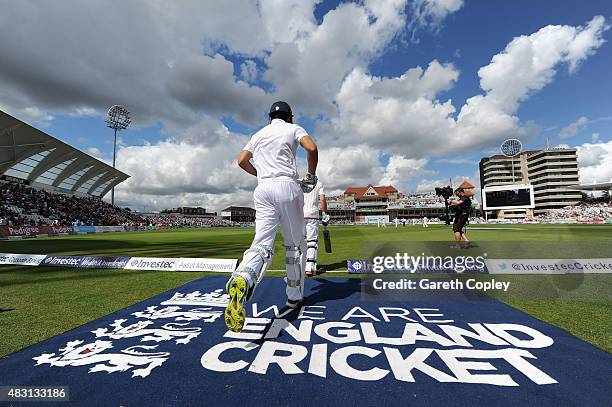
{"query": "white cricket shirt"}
{"type": "Point", "coordinates": [311, 201]}
{"type": "Point", "coordinates": [274, 148]}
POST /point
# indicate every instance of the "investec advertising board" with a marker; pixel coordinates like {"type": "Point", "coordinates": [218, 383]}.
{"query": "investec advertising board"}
{"type": "Point", "coordinates": [181, 264]}
{"type": "Point", "coordinates": [21, 259]}
{"type": "Point", "coordinates": [550, 266]}
{"type": "Point", "coordinates": [127, 263]}
{"type": "Point", "coordinates": [98, 262]}
{"type": "Point", "coordinates": [151, 263]}
{"type": "Point", "coordinates": [195, 264]}
{"type": "Point", "coordinates": [174, 349]}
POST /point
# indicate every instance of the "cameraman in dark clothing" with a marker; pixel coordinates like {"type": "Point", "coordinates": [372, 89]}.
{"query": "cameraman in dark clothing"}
{"type": "Point", "coordinates": [464, 207]}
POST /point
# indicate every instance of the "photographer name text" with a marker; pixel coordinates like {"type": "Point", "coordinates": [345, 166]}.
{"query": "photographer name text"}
{"type": "Point", "coordinates": [436, 284]}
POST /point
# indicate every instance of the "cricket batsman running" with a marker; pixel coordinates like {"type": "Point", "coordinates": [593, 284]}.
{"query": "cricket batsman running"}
{"type": "Point", "coordinates": [279, 200]}
{"type": "Point", "coordinates": [313, 201]}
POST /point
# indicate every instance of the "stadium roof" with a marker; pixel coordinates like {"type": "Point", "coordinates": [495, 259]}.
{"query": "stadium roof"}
{"type": "Point", "coordinates": [35, 156]}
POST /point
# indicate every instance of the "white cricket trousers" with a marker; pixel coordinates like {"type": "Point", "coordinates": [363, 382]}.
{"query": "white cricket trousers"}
{"type": "Point", "coordinates": [311, 232]}
{"type": "Point", "coordinates": [279, 201]}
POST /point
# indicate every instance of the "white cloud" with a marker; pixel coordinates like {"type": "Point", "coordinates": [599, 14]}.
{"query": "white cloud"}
{"type": "Point", "coordinates": [54, 70]}
{"type": "Point", "coordinates": [212, 202]}
{"type": "Point", "coordinates": [310, 70]}
{"type": "Point", "coordinates": [248, 70]}
{"type": "Point", "coordinates": [401, 171]}
{"type": "Point", "coordinates": [403, 115]}
{"type": "Point", "coordinates": [595, 138]}
{"type": "Point", "coordinates": [429, 185]}
{"type": "Point", "coordinates": [286, 21]}
{"type": "Point", "coordinates": [208, 84]}
{"type": "Point", "coordinates": [586, 41]}
{"type": "Point", "coordinates": [176, 173]}
{"type": "Point", "coordinates": [458, 161]}
{"type": "Point", "coordinates": [340, 168]}
{"type": "Point", "coordinates": [359, 165]}
{"type": "Point", "coordinates": [573, 128]}
{"type": "Point", "coordinates": [171, 167]}
{"type": "Point", "coordinates": [206, 132]}
{"type": "Point", "coordinates": [30, 114]}
{"type": "Point", "coordinates": [580, 124]}
{"type": "Point", "coordinates": [185, 171]}
{"type": "Point", "coordinates": [80, 58]}
{"type": "Point", "coordinates": [595, 162]}
{"type": "Point", "coordinates": [396, 114]}
{"type": "Point", "coordinates": [431, 13]}
{"type": "Point", "coordinates": [528, 63]}
{"type": "Point", "coordinates": [94, 151]}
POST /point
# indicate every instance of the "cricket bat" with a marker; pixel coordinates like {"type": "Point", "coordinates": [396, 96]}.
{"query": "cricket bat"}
{"type": "Point", "coordinates": [327, 240]}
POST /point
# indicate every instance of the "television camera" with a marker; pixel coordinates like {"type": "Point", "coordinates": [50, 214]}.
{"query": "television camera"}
{"type": "Point", "coordinates": [445, 192]}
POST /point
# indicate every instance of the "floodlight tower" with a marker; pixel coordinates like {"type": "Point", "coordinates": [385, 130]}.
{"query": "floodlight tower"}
{"type": "Point", "coordinates": [118, 118]}
{"type": "Point", "coordinates": [511, 148]}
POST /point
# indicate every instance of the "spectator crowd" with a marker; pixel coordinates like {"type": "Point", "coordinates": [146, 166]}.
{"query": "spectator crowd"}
{"type": "Point", "coordinates": [172, 221]}
{"type": "Point", "coordinates": [599, 212]}
{"type": "Point", "coordinates": [21, 205]}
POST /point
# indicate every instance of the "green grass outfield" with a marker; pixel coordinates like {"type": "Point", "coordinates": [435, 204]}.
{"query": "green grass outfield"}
{"type": "Point", "coordinates": [39, 302]}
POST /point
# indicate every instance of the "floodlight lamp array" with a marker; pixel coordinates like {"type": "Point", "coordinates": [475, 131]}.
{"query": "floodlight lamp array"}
{"type": "Point", "coordinates": [511, 147]}
{"type": "Point", "coordinates": [118, 118]}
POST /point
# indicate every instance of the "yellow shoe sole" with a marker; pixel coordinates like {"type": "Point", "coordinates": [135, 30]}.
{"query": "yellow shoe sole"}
{"type": "Point", "coordinates": [234, 312]}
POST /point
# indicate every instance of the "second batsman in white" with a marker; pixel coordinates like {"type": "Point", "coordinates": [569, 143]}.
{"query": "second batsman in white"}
{"type": "Point", "coordinates": [313, 201]}
{"type": "Point", "coordinates": [279, 200]}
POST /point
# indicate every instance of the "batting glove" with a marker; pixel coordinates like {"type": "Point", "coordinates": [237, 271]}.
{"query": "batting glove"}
{"type": "Point", "coordinates": [308, 182]}
{"type": "Point", "coordinates": [325, 219]}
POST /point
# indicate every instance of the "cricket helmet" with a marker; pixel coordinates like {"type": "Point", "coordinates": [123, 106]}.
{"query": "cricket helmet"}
{"type": "Point", "coordinates": [281, 110]}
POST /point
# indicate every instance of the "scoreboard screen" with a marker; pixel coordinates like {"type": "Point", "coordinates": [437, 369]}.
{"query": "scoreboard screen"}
{"type": "Point", "coordinates": [508, 198]}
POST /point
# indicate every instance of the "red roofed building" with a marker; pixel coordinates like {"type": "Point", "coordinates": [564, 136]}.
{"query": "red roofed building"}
{"type": "Point", "coordinates": [468, 188]}
{"type": "Point", "coordinates": [466, 185]}
{"type": "Point", "coordinates": [371, 200]}
{"type": "Point", "coordinates": [370, 192]}
{"type": "Point", "coordinates": [371, 204]}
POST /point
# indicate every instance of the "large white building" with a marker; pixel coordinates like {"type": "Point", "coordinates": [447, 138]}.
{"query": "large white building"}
{"type": "Point", "coordinates": [550, 171]}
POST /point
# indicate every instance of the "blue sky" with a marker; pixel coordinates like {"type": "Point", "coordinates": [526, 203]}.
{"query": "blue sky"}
{"type": "Point", "coordinates": [187, 88]}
